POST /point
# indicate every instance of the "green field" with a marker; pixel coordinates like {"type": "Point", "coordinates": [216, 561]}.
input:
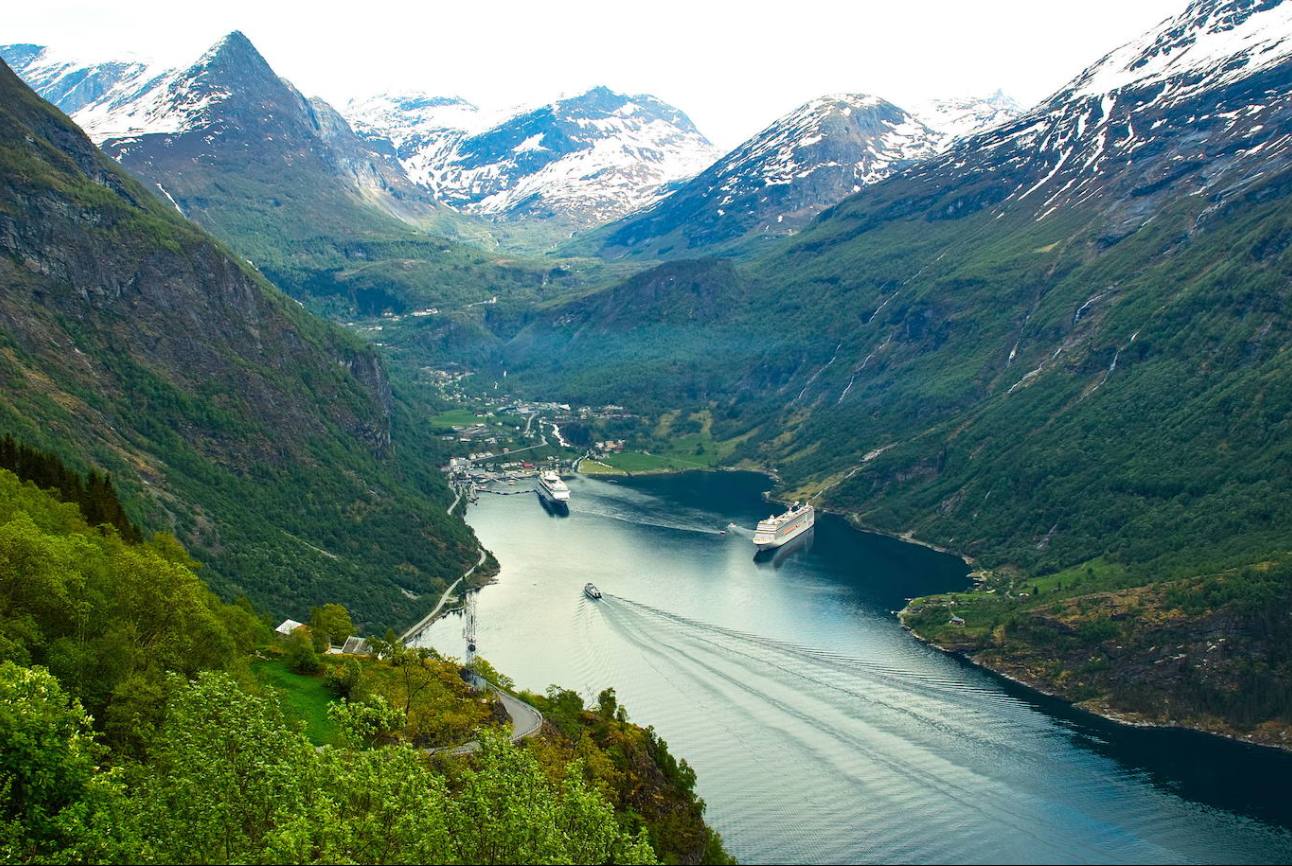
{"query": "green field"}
{"type": "Point", "coordinates": [304, 698]}
{"type": "Point", "coordinates": [641, 461]}
{"type": "Point", "coordinates": [456, 418]}
{"type": "Point", "coordinates": [676, 453]}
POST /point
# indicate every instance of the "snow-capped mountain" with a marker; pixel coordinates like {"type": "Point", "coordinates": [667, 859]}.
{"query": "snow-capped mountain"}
{"type": "Point", "coordinates": [581, 161]}
{"type": "Point", "coordinates": [785, 175]}
{"type": "Point", "coordinates": [587, 160]}
{"type": "Point", "coordinates": [229, 113]}
{"type": "Point", "coordinates": [957, 117]}
{"type": "Point", "coordinates": [75, 85]}
{"type": "Point", "coordinates": [419, 129]}
{"type": "Point", "coordinates": [1202, 104]}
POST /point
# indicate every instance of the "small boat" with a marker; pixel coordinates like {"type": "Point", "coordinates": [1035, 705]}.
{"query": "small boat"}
{"type": "Point", "coordinates": [591, 591]}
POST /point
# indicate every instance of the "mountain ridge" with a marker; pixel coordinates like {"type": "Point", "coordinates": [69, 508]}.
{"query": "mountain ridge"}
{"type": "Point", "coordinates": [778, 181]}
{"type": "Point", "coordinates": [264, 438]}
{"type": "Point", "coordinates": [584, 159]}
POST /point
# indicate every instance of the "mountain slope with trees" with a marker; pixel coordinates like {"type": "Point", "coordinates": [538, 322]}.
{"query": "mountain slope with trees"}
{"type": "Point", "coordinates": [270, 442]}
{"type": "Point", "coordinates": [1064, 342]}
{"type": "Point", "coordinates": [132, 730]}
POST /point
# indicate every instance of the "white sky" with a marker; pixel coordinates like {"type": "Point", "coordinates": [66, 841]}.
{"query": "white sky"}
{"type": "Point", "coordinates": [733, 67]}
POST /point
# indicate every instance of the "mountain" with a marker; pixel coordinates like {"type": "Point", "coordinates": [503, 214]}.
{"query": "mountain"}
{"type": "Point", "coordinates": [271, 443]}
{"type": "Point", "coordinates": [957, 117]}
{"type": "Point", "coordinates": [1063, 346]}
{"type": "Point", "coordinates": [137, 112]}
{"type": "Point", "coordinates": [288, 184]}
{"type": "Point", "coordinates": [777, 181]}
{"type": "Point", "coordinates": [582, 161]}
{"type": "Point", "coordinates": [422, 130]}
{"type": "Point", "coordinates": [74, 85]}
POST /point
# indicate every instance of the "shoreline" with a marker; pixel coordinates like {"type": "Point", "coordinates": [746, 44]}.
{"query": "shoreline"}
{"type": "Point", "coordinates": [624, 473]}
{"type": "Point", "coordinates": [978, 576]}
{"type": "Point", "coordinates": [1107, 714]}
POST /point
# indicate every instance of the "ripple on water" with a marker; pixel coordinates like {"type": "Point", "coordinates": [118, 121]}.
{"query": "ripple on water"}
{"type": "Point", "coordinates": [819, 730]}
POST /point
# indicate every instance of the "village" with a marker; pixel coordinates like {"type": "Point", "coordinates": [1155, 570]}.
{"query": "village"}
{"type": "Point", "coordinates": [498, 440]}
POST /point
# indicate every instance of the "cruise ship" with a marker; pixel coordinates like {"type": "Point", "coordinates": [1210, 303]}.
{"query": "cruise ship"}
{"type": "Point", "coordinates": [783, 528]}
{"type": "Point", "coordinates": [552, 488]}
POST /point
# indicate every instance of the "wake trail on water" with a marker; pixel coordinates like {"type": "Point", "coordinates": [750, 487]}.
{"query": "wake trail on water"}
{"type": "Point", "coordinates": [859, 682]}
{"type": "Point", "coordinates": [819, 657]}
{"type": "Point", "coordinates": [634, 518]}
{"type": "Point", "coordinates": [929, 773]}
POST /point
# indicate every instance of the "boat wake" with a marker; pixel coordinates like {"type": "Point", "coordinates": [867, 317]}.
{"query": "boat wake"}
{"type": "Point", "coordinates": [637, 519]}
{"type": "Point", "coordinates": [845, 723]}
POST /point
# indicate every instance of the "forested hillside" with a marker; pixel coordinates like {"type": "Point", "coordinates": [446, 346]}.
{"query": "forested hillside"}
{"type": "Point", "coordinates": [133, 728]}
{"type": "Point", "coordinates": [270, 442]}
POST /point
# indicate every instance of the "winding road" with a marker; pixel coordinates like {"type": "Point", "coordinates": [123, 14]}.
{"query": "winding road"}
{"type": "Point", "coordinates": [525, 722]}
{"type": "Point", "coordinates": [419, 626]}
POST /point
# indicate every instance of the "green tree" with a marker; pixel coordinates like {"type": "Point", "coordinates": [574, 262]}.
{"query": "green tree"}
{"type": "Point", "coordinates": [411, 662]}
{"type": "Point", "coordinates": [330, 624]}
{"type": "Point", "coordinates": [345, 679]}
{"type": "Point", "coordinates": [607, 703]}
{"type": "Point", "coordinates": [508, 812]}
{"type": "Point", "coordinates": [386, 807]}
{"type": "Point", "coordinates": [365, 724]}
{"type": "Point", "coordinates": [300, 653]}
{"type": "Point", "coordinates": [227, 778]}
{"type": "Point", "coordinates": [54, 804]}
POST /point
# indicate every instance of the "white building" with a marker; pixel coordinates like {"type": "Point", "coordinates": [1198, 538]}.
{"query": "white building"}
{"type": "Point", "coordinates": [288, 626]}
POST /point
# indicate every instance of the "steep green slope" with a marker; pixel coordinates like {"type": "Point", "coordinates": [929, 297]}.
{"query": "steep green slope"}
{"type": "Point", "coordinates": [136, 725]}
{"type": "Point", "coordinates": [269, 441]}
{"type": "Point", "coordinates": [1066, 344]}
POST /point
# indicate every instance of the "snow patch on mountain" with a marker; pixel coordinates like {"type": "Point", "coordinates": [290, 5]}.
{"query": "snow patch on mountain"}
{"type": "Point", "coordinates": [125, 99]}
{"type": "Point", "coordinates": [956, 117]}
{"type": "Point", "coordinates": [85, 90]}
{"type": "Point", "coordinates": [587, 159]}
{"type": "Point", "coordinates": [1200, 105]}
{"type": "Point", "coordinates": [859, 133]}
{"type": "Point", "coordinates": [1207, 45]}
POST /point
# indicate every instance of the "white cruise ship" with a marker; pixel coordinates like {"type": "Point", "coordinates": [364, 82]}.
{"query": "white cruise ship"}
{"type": "Point", "coordinates": [552, 488]}
{"type": "Point", "coordinates": [782, 528]}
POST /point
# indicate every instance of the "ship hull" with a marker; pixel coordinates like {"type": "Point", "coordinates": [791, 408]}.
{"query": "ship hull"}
{"type": "Point", "coordinates": [556, 509]}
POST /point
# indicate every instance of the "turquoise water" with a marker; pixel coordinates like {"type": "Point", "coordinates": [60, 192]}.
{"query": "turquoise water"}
{"type": "Point", "coordinates": [821, 732]}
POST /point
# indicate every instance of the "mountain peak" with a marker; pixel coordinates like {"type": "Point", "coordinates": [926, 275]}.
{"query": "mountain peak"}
{"type": "Point", "coordinates": [235, 41]}
{"type": "Point", "coordinates": [233, 53]}
{"type": "Point", "coordinates": [1211, 40]}
{"type": "Point", "coordinates": [776, 182]}
{"type": "Point", "coordinates": [853, 100]}
{"type": "Point", "coordinates": [596, 100]}
{"type": "Point", "coordinates": [958, 116]}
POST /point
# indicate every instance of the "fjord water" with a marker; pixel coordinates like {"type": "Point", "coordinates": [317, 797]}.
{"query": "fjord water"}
{"type": "Point", "coordinates": [821, 731]}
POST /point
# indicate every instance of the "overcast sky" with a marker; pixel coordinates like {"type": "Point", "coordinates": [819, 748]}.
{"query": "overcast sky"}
{"type": "Point", "coordinates": [733, 67]}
